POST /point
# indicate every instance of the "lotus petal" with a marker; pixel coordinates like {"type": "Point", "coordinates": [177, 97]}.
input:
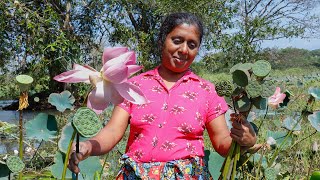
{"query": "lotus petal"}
{"type": "Point", "coordinates": [78, 74]}
{"type": "Point", "coordinates": [117, 73]}
{"type": "Point", "coordinates": [133, 69]}
{"type": "Point", "coordinates": [100, 97]}
{"type": "Point", "coordinates": [276, 98]}
{"type": "Point", "coordinates": [131, 93]}
{"type": "Point", "coordinates": [110, 53]}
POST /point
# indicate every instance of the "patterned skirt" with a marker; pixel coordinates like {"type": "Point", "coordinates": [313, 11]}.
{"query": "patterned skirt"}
{"type": "Point", "coordinates": [191, 168]}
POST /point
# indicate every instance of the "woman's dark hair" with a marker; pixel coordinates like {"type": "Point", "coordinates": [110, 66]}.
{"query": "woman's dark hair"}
{"type": "Point", "coordinates": [176, 19]}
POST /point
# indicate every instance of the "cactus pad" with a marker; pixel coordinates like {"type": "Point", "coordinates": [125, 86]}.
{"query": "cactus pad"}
{"type": "Point", "coordinates": [254, 89]}
{"type": "Point", "coordinates": [261, 68]}
{"type": "Point", "coordinates": [15, 164]}
{"type": "Point", "coordinates": [241, 77]}
{"type": "Point", "coordinates": [86, 122]}
{"type": "Point", "coordinates": [224, 88]}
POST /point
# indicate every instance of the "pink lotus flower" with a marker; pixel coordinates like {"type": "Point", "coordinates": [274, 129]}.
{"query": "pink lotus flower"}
{"type": "Point", "coordinates": [276, 98]}
{"type": "Point", "coordinates": [110, 84]}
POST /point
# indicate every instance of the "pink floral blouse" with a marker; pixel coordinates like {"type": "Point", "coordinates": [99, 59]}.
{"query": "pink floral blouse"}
{"type": "Point", "coordinates": [171, 126]}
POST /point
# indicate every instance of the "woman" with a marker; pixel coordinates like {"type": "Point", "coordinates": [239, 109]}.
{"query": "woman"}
{"type": "Point", "coordinates": [166, 135]}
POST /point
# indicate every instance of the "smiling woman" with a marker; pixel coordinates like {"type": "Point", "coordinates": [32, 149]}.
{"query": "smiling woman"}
{"type": "Point", "coordinates": [166, 133]}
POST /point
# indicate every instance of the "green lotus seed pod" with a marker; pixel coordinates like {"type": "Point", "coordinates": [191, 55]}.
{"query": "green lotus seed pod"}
{"type": "Point", "coordinates": [24, 82]}
{"type": "Point", "coordinates": [15, 164]}
{"type": "Point", "coordinates": [223, 88]}
{"type": "Point", "coordinates": [86, 122]}
{"type": "Point", "coordinates": [268, 88]}
{"type": "Point", "coordinates": [254, 89]}
{"type": "Point", "coordinates": [241, 77]}
{"type": "Point", "coordinates": [261, 68]}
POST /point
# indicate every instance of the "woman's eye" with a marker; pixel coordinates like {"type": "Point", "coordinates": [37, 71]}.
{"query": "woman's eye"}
{"type": "Point", "coordinates": [177, 41]}
{"type": "Point", "coordinates": [192, 45]}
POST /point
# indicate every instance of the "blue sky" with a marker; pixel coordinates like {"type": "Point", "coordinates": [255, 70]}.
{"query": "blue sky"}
{"type": "Point", "coordinates": [310, 44]}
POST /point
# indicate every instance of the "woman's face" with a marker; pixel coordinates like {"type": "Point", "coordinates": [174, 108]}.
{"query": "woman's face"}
{"type": "Point", "coordinates": [180, 48]}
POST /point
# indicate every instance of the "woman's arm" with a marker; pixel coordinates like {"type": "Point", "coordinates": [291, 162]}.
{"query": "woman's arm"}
{"type": "Point", "coordinates": [103, 142]}
{"type": "Point", "coordinates": [221, 137]}
{"type": "Point", "coordinates": [111, 134]}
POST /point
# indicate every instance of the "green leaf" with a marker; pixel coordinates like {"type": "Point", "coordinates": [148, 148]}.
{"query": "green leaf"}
{"type": "Point", "coordinates": [6, 126]}
{"type": "Point", "coordinates": [88, 167]}
{"type": "Point", "coordinates": [42, 127]}
{"type": "Point", "coordinates": [66, 134]}
{"type": "Point", "coordinates": [314, 119]}
{"type": "Point", "coordinates": [279, 136]}
{"type": "Point", "coordinates": [4, 172]}
{"type": "Point", "coordinates": [62, 101]}
{"type": "Point", "coordinates": [215, 162]}
{"type": "Point", "coordinates": [315, 92]}
{"type": "Point", "coordinates": [241, 77]}
{"type": "Point", "coordinates": [291, 123]}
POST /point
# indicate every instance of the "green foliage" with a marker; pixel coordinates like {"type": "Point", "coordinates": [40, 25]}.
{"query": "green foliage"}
{"type": "Point", "coordinates": [62, 101]}
{"type": "Point", "coordinates": [86, 122]}
{"type": "Point", "coordinates": [4, 172]}
{"type": "Point", "coordinates": [15, 164]}
{"type": "Point", "coordinates": [215, 162]}
{"type": "Point", "coordinates": [66, 134]}
{"type": "Point", "coordinates": [292, 123]}
{"type": "Point", "coordinates": [42, 127]}
{"type": "Point", "coordinates": [88, 167]}
{"type": "Point", "coordinates": [314, 119]}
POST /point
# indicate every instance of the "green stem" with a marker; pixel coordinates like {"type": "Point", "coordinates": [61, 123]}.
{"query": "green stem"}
{"type": "Point", "coordinates": [104, 163]}
{"type": "Point", "coordinates": [20, 139]}
{"type": "Point", "coordinates": [77, 150]}
{"type": "Point", "coordinates": [303, 139]}
{"type": "Point", "coordinates": [226, 167]}
{"type": "Point", "coordinates": [66, 160]}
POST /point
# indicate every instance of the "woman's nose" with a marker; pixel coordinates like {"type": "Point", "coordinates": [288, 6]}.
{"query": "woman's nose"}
{"type": "Point", "coordinates": [184, 48]}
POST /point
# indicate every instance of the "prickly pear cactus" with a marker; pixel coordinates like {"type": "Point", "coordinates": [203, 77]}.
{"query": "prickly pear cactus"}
{"type": "Point", "coordinates": [254, 89]}
{"type": "Point", "coordinates": [86, 122]}
{"type": "Point", "coordinates": [261, 68]}
{"type": "Point", "coordinates": [15, 164]}
{"type": "Point", "coordinates": [224, 88]}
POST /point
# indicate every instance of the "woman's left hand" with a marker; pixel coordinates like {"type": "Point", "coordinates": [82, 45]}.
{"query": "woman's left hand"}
{"type": "Point", "coordinates": [242, 132]}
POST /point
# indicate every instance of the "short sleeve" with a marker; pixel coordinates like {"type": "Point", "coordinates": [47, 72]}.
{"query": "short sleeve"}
{"type": "Point", "coordinates": [216, 105]}
{"type": "Point", "coordinates": [126, 105]}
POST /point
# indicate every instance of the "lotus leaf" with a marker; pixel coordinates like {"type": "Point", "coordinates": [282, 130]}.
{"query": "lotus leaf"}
{"type": "Point", "coordinates": [243, 104]}
{"type": "Point", "coordinates": [241, 77]}
{"type": "Point", "coordinates": [4, 172]}
{"type": "Point", "coordinates": [314, 119]}
{"type": "Point", "coordinates": [66, 134]}
{"type": "Point", "coordinates": [88, 167]}
{"type": "Point", "coordinates": [86, 122]}
{"type": "Point", "coordinates": [279, 136]}
{"type": "Point", "coordinates": [42, 127]}
{"type": "Point", "coordinates": [15, 164]}
{"type": "Point", "coordinates": [261, 68]}
{"type": "Point", "coordinates": [24, 81]}
{"type": "Point", "coordinates": [62, 101]}
{"type": "Point", "coordinates": [291, 123]}
{"type": "Point", "coordinates": [315, 175]}
{"type": "Point", "coordinates": [215, 162]}
{"type": "Point", "coordinates": [315, 92]}
{"type": "Point", "coordinates": [260, 103]}
{"type": "Point", "coordinates": [270, 173]}
{"type": "Point", "coordinates": [256, 158]}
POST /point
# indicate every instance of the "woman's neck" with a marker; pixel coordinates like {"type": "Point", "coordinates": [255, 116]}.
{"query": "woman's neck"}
{"type": "Point", "coordinates": [170, 76]}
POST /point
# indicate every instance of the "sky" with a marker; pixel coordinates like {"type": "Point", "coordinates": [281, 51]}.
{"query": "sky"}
{"type": "Point", "coordinates": [309, 44]}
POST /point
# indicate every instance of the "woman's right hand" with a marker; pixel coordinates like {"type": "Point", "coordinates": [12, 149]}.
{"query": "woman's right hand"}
{"type": "Point", "coordinates": [75, 158]}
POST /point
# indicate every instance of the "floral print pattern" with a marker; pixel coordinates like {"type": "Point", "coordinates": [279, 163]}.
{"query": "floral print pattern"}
{"type": "Point", "coordinates": [174, 119]}
{"type": "Point", "coordinates": [183, 169]}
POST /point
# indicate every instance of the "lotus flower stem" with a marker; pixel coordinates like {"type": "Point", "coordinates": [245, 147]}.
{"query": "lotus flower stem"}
{"type": "Point", "coordinates": [77, 149]}
{"type": "Point", "coordinates": [304, 138]}
{"type": "Point", "coordinates": [67, 156]}
{"type": "Point", "coordinates": [104, 163]}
